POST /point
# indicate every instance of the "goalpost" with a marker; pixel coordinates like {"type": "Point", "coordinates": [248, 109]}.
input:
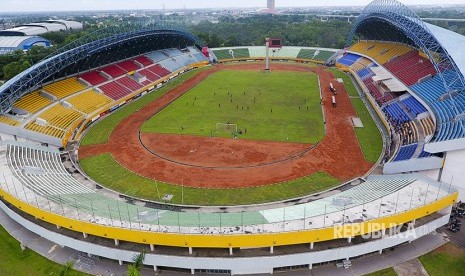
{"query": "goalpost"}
{"type": "Point", "coordinates": [226, 128]}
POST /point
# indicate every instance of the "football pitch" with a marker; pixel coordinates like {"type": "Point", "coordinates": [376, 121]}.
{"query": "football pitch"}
{"type": "Point", "coordinates": [274, 106]}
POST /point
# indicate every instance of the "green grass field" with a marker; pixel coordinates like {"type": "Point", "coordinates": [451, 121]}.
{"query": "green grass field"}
{"type": "Point", "coordinates": [384, 272]}
{"type": "Point", "coordinates": [14, 261]}
{"type": "Point", "coordinates": [369, 136]}
{"type": "Point", "coordinates": [100, 166]}
{"type": "Point", "coordinates": [446, 260]}
{"type": "Point", "coordinates": [276, 106]}
{"type": "Point", "coordinates": [100, 132]}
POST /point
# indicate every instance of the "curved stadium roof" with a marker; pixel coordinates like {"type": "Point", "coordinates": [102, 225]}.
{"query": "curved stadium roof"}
{"type": "Point", "coordinates": [94, 50]}
{"type": "Point", "coordinates": [453, 42]}
{"type": "Point", "coordinates": [390, 20]}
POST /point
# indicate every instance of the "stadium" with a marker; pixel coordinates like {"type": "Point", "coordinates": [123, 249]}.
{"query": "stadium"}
{"type": "Point", "coordinates": [241, 160]}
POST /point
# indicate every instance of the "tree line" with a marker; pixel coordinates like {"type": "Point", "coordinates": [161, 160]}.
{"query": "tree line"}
{"type": "Point", "coordinates": [295, 30]}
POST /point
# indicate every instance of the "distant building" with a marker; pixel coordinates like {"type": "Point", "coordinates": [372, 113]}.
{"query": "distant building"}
{"type": "Point", "coordinates": [39, 28]}
{"type": "Point", "coordinates": [12, 43]}
{"type": "Point", "coordinates": [271, 5]}
{"type": "Point", "coordinates": [25, 36]}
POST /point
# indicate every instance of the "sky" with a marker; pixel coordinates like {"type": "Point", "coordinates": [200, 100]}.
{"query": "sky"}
{"type": "Point", "coordinates": [82, 5]}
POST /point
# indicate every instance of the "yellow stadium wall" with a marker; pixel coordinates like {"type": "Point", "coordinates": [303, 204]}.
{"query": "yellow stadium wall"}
{"type": "Point", "coordinates": [226, 241]}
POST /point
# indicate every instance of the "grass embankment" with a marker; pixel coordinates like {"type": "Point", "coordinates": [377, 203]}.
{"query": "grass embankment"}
{"type": "Point", "coordinates": [14, 261]}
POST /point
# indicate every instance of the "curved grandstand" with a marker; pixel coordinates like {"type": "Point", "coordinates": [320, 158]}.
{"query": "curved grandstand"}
{"type": "Point", "coordinates": [404, 72]}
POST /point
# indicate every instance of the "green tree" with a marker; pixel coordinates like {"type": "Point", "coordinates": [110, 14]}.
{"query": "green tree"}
{"type": "Point", "coordinates": [12, 69]}
{"type": "Point", "coordinates": [136, 266]}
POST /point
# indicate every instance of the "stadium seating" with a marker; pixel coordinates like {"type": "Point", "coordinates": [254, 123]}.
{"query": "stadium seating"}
{"type": "Point", "coordinates": [185, 59]}
{"type": "Point", "coordinates": [382, 52]}
{"type": "Point", "coordinates": [64, 88]}
{"type": "Point", "coordinates": [286, 52]}
{"type": "Point", "coordinates": [376, 92]}
{"type": "Point", "coordinates": [428, 125]}
{"type": "Point", "coordinates": [113, 70]}
{"type": "Point", "coordinates": [364, 73]}
{"type": "Point", "coordinates": [316, 55]}
{"type": "Point", "coordinates": [47, 130]}
{"type": "Point", "coordinates": [199, 57]}
{"type": "Point", "coordinates": [128, 65]}
{"type": "Point", "coordinates": [157, 56]}
{"type": "Point", "coordinates": [348, 59]}
{"type": "Point", "coordinates": [129, 83]}
{"type": "Point", "coordinates": [88, 101]}
{"type": "Point", "coordinates": [431, 91]}
{"type": "Point", "coordinates": [173, 52]}
{"type": "Point", "coordinates": [93, 78]}
{"type": "Point", "coordinates": [59, 119]}
{"type": "Point", "coordinates": [32, 102]}
{"type": "Point", "coordinates": [149, 74]}
{"type": "Point", "coordinates": [48, 177]}
{"type": "Point", "coordinates": [410, 67]}
{"type": "Point", "coordinates": [8, 120]}
{"type": "Point", "coordinates": [414, 106]}
{"type": "Point", "coordinates": [114, 90]}
{"type": "Point", "coordinates": [405, 152]}
{"type": "Point", "coordinates": [159, 70]}
{"type": "Point", "coordinates": [144, 61]}
{"type": "Point", "coordinates": [171, 64]}
{"type": "Point", "coordinates": [396, 113]}
{"type": "Point", "coordinates": [232, 53]}
{"type": "Point", "coordinates": [60, 116]}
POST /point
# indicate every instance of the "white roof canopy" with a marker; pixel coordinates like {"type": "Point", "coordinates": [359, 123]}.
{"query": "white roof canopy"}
{"type": "Point", "coordinates": [385, 77]}
{"type": "Point", "coordinates": [454, 44]}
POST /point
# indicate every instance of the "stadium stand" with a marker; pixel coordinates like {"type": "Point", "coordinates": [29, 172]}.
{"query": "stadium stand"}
{"type": "Point", "coordinates": [159, 70]}
{"type": "Point", "coordinates": [149, 74]}
{"type": "Point", "coordinates": [113, 70]}
{"type": "Point", "coordinates": [129, 83]}
{"type": "Point", "coordinates": [32, 102]}
{"type": "Point", "coordinates": [88, 101]}
{"type": "Point", "coordinates": [114, 90]}
{"type": "Point", "coordinates": [312, 54]}
{"type": "Point", "coordinates": [405, 152]}
{"type": "Point", "coordinates": [171, 64]}
{"type": "Point", "coordinates": [348, 59]}
{"type": "Point", "coordinates": [93, 78]}
{"type": "Point", "coordinates": [60, 116]}
{"type": "Point", "coordinates": [286, 52]}
{"type": "Point", "coordinates": [185, 59]}
{"type": "Point", "coordinates": [128, 65]}
{"type": "Point", "coordinates": [47, 130]}
{"type": "Point", "coordinates": [144, 61]}
{"type": "Point", "coordinates": [173, 52]}
{"type": "Point", "coordinates": [231, 53]}
{"type": "Point", "coordinates": [395, 113]}
{"type": "Point", "coordinates": [431, 91]}
{"type": "Point", "coordinates": [8, 121]}
{"type": "Point", "coordinates": [64, 88]}
{"type": "Point", "coordinates": [157, 56]}
{"type": "Point", "coordinates": [410, 67]}
{"type": "Point", "coordinates": [41, 170]}
{"type": "Point", "coordinates": [414, 106]}
{"type": "Point", "coordinates": [428, 125]}
{"type": "Point", "coordinates": [382, 52]}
